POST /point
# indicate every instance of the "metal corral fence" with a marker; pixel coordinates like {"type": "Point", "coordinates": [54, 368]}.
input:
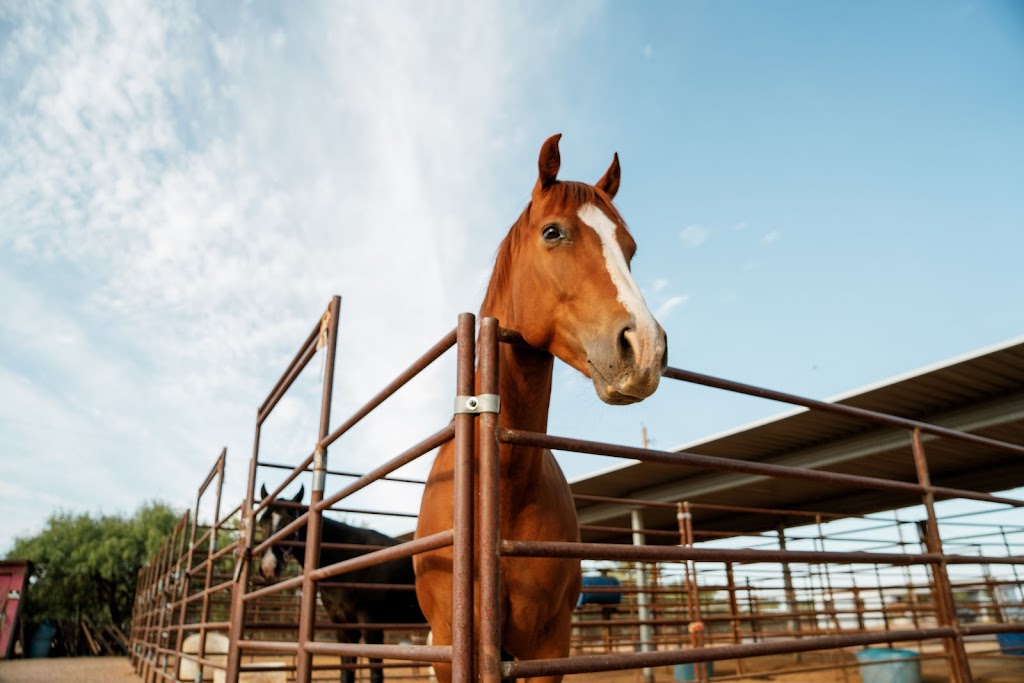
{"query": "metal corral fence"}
{"type": "Point", "coordinates": [201, 611]}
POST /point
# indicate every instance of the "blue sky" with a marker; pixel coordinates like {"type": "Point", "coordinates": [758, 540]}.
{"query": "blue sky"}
{"type": "Point", "coordinates": [824, 195]}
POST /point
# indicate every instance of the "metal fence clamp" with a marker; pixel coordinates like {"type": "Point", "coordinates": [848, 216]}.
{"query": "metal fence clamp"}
{"type": "Point", "coordinates": [476, 405]}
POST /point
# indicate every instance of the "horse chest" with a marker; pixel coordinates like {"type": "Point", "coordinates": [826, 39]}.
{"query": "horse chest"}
{"type": "Point", "coordinates": [340, 605]}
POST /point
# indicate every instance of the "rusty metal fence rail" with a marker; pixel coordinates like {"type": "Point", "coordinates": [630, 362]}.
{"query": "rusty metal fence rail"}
{"type": "Point", "coordinates": [186, 592]}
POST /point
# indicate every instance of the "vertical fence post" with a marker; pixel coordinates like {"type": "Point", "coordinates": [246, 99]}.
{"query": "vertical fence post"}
{"type": "Point", "coordinates": [243, 559]}
{"type": "Point", "coordinates": [462, 570]}
{"type": "Point", "coordinates": [734, 612]}
{"type": "Point", "coordinates": [314, 520]}
{"type": "Point", "coordinates": [489, 636]}
{"type": "Point", "coordinates": [208, 574]}
{"type": "Point", "coordinates": [945, 606]}
{"type": "Point", "coordinates": [794, 623]}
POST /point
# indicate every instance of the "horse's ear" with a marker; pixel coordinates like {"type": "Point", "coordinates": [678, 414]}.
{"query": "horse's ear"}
{"type": "Point", "coordinates": [263, 491]}
{"type": "Point", "coordinates": [609, 182]}
{"type": "Point", "coordinates": [548, 163]}
{"type": "Point", "coordinates": [298, 496]}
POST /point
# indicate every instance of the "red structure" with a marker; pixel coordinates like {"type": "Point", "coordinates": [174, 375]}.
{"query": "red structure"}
{"type": "Point", "coordinates": [13, 579]}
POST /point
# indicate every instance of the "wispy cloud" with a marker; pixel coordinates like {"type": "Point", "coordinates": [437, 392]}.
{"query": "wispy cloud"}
{"type": "Point", "coordinates": [181, 192]}
{"type": "Point", "coordinates": [692, 236]}
{"type": "Point", "coordinates": [771, 237]}
{"type": "Point", "coordinates": [666, 307]}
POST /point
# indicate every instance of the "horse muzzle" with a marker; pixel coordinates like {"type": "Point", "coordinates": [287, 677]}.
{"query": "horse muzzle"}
{"type": "Point", "coordinates": [269, 567]}
{"type": "Point", "coordinates": [630, 369]}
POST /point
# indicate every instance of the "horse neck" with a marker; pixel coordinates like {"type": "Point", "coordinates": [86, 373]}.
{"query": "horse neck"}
{"type": "Point", "coordinates": [524, 388]}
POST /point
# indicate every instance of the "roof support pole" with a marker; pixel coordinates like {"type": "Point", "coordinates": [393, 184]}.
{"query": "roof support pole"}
{"type": "Point", "coordinates": [643, 599]}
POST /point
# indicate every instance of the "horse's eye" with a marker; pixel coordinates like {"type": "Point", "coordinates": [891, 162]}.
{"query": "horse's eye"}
{"type": "Point", "coordinates": [552, 233]}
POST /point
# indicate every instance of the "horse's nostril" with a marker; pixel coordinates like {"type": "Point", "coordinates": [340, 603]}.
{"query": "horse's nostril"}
{"type": "Point", "coordinates": [627, 344]}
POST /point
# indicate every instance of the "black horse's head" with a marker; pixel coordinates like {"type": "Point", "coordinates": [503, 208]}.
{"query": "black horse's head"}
{"type": "Point", "coordinates": [276, 516]}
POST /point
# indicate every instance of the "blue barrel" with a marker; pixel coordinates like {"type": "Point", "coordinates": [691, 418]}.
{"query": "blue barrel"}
{"type": "Point", "coordinates": [41, 639]}
{"type": "Point", "coordinates": [884, 665]}
{"type": "Point", "coordinates": [601, 598]}
{"type": "Point", "coordinates": [1011, 643]}
{"type": "Point", "coordinates": [688, 672]}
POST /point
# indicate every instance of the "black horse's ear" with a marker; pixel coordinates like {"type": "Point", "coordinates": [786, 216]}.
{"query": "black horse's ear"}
{"type": "Point", "coordinates": [263, 491]}
{"type": "Point", "coordinates": [609, 182]}
{"type": "Point", "coordinates": [298, 496]}
{"type": "Point", "coordinates": [548, 163]}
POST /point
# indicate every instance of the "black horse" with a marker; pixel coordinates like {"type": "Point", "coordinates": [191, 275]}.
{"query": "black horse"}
{"type": "Point", "coordinates": [347, 605]}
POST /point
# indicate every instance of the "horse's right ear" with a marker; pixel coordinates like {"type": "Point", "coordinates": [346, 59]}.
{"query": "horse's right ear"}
{"type": "Point", "coordinates": [548, 163]}
{"type": "Point", "coordinates": [609, 182]}
{"type": "Point", "coordinates": [263, 491]}
{"type": "Point", "coordinates": [298, 496]}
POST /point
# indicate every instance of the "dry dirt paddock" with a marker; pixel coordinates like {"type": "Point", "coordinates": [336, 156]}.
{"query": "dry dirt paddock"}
{"type": "Point", "coordinates": [119, 670]}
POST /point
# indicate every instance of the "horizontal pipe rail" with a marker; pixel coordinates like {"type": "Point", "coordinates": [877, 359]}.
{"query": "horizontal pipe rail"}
{"type": "Point", "coordinates": [637, 660]}
{"type": "Point", "coordinates": [441, 539]}
{"type": "Point", "coordinates": [527, 438]}
{"type": "Point", "coordinates": [268, 646]}
{"type": "Point", "coordinates": [272, 496]}
{"type": "Point", "coordinates": [840, 409]}
{"type": "Point", "coordinates": [708, 506]}
{"type": "Point", "coordinates": [291, 374]}
{"type": "Point", "coordinates": [429, 444]}
{"type": "Point", "coordinates": [413, 653]}
{"type": "Point", "coordinates": [608, 551]}
{"type": "Point", "coordinates": [282, 533]}
{"type": "Point", "coordinates": [344, 473]}
{"type": "Point", "coordinates": [416, 368]}
{"type": "Point", "coordinates": [301, 358]}
{"type": "Point", "coordinates": [425, 544]}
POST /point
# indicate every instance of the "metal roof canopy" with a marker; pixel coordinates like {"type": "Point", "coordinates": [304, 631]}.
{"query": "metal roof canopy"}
{"type": "Point", "coordinates": [980, 393]}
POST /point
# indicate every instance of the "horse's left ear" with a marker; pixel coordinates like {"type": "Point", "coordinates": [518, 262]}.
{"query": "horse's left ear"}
{"type": "Point", "coordinates": [609, 182]}
{"type": "Point", "coordinates": [298, 496]}
{"type": "Point", "coordinates": [548, 163]}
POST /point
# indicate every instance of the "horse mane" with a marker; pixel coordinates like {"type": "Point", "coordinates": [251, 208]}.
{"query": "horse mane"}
{"type": "Point", "coordinates": [560, 195]}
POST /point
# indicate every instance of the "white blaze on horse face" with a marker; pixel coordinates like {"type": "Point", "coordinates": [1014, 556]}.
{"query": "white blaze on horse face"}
{"type": "Point", "coordinates": [648, 336]}
{"type": "Point", "coordinates": [268, 565]}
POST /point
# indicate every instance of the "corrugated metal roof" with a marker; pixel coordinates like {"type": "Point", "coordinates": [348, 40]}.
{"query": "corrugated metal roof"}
{"type": "Point", "coordinates": [981, 393]}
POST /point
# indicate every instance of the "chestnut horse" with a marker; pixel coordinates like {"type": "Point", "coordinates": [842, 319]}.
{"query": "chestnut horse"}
{"type": "Point", "coordinates": [562, 280]}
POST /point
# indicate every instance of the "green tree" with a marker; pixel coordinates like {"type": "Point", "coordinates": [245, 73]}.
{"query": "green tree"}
{"type": "Point", "coordinates": [87, 566]}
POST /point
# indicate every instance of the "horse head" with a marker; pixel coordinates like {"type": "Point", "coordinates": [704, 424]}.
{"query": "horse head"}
{"type": "Point", "coordinates": [276, 516]}
{"type": "Point", "coordinates": [562, 280]}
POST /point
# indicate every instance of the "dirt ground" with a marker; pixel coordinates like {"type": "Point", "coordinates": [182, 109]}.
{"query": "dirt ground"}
{"type": "Point", "coordinates": [68, 670]}
{"type": "Point", "coordinates": [119, 670]}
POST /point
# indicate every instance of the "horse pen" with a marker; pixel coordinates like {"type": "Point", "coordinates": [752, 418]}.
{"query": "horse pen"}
{"type": "Point", "coordinates": [772, 606]}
